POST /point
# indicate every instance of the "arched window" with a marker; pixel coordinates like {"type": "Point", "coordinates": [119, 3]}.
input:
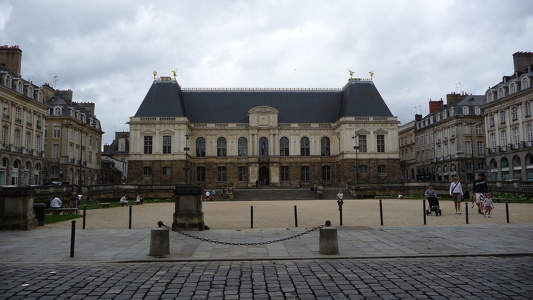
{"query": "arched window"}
{"type": "Point", "coordinates": [200, 147]}
{"type": "Point", "coordinates": [221, 147]}
{"type": "Point", "coordinates": [284, 146]}
{"type": "Point", "coordinates": [243, 147]}
{"type": "Point", "coordinates": [304, 147]}
{"type": "Point", "coordinates": [525, 83]}
{"type": "Point", "coordinates": [465, 110]}
{"type": "Point", "coordinates": [325, 146]}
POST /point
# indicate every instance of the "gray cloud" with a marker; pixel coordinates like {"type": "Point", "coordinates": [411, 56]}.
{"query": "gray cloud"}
{"type": "Point", "coordinates": [105, 51]}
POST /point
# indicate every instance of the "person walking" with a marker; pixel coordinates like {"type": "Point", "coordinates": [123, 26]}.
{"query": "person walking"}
{"type": "Point", "coordinates": [488, 205]}
{"type": "Point", "coordinates": [456, 192]}
{"type": "Point", "coordinates": [480, 189]}
{"type": "Point", "coordinates": [340, 197]}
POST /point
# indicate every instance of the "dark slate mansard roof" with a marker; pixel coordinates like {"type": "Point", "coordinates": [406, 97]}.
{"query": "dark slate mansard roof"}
{"type": "Point", "coordinates": [358, 98]}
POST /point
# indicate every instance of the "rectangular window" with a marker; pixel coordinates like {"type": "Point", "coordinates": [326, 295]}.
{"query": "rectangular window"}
{"type": "Point", "coordinates": [305, 173]}
{"type": "Point", "coordinates": [243, 174]}
{"type": "Point", "coordinates": [516, 136]}
{"type": "Point", "coordinates": [38, 145]}
{"type": "Point", "coordinates": [4, 137]}
{"type": "Point", "coordinates": [326, 173]}
{"type": "Point", "coordinates": [55, 152]}
{"type": "Point", "coordinates": [284, 147]}
{"type": "Point", "coordinates": [221, 174]}
{"type": "Point", "coordinates": [491, 120]}
{"type": "Point", "coordinates": [167, 144]}
{"type": "Point", "coordinates": [502, 117]}
{"type": "Point", "coordinates": [362, 144]}
{"type": "Point", "coordinates": [148, 144]}
{"type": "Point", "coordinates": [200, 174]}
{"type": "Point", "coordinates": [515, 113]}
{"type": "Point", "coordinates": [527, 109]}
{"type": "Point", "coordinates": [284, 173]}
{"type": "Point", "coordinates": [380, 139]}
{"type": "Point", "coordinates": [147, 171]}
{"type": "Point", "coordinates": [468, 148]}
{"type": "Point", "coordinates": [480, 149]}
{"type": "Point", "coordinates": [382, 169]}
{"type": "Point", "coordinates": [57, 132]}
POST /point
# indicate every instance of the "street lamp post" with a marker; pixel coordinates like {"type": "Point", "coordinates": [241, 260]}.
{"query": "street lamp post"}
{"type": "Point", "coordinates": [186, 158]}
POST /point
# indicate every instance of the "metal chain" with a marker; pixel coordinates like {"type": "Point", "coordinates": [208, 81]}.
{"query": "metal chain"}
{"type": "Point", "coordinates": [240, 244]}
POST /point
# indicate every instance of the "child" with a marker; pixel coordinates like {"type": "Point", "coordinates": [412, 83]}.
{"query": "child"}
{"type": "Point", "coordinates": [488, 205]}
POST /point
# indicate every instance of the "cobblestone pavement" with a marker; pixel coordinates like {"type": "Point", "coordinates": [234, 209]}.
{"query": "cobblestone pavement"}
{"type": "Point", "coordinates": [479, 277]}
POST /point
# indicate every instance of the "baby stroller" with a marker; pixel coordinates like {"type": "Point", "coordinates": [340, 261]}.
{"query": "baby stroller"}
{"type": "Point", "coordinates": [433, 206]}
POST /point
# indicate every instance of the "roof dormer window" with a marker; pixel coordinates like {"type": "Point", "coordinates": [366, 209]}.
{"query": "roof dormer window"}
{"type": "Point", "coordinates": [465, 110]}
{"type": "Point", "coordinates": [57, 111]}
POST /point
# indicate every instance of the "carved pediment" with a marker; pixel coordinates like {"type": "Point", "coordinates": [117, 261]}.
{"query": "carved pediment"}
{"type": "Point", "coordinates": [362, 132]}
{"type": "Point", "coordinates": [381, 131]}
{"type": "Point", "coordinates": [263, 116]}
{"type": "Point", "coordinates": [263, 110]}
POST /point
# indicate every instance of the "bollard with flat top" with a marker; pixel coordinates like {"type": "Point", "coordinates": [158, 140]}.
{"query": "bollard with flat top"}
{"type": "Point", "coordinates": [159, 242]}
{"type": "Point", "coordinates": [328, 242]}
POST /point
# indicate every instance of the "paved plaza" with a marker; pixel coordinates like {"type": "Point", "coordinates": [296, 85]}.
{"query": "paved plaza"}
{"type": "Point", "coordinates": [485, 259]}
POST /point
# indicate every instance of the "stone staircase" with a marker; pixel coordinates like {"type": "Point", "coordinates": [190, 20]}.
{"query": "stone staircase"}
{"type": "Point", "coordinates": [268, 193]}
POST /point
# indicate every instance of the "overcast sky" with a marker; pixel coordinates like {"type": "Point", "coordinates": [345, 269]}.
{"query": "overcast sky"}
{"type": "Point", "coordinates": [105, 51]}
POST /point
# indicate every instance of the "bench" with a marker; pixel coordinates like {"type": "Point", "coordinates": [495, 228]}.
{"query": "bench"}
{"type": "Point", "coordinates": [104, 205]}
{"type": "Point", "coordinates": [64, 211]}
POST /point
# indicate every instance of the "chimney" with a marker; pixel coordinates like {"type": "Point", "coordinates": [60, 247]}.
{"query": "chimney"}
{"type": "Point", "coordinates": [11, 57]}
{"type": "Point", "coordinates": [434, 105]}
{"type": "Point", "coordinates": [48, 92]}
{"type": "Point", "coordinates": [451, 99]}
{"type": "Point", "coordinates": [418, 117]}
{"type": "Point", "coordinates": [522, 60]}
{"type": "Point", "coordinates": [65, 94]}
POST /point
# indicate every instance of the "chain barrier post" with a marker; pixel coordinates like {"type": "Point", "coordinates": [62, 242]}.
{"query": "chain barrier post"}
{"type": "Point", "coordinates": [507, 211]}
{"type": "Point", "coordinates": [251, 216]}
{"type": "Point", "coordinates": [72, 238]}
{"type": "Point", "coordinates": [466, 212]}
{"type": "Point", "coordinates": [381, 211]}
{"type": "Point", "coordinates": [84, 214]}
{"type": "Point", "coordinates": [131, 207]}
{"type": "Point", "coordinates": [295, 216]}
{"type": "Point", "coordinates": [424, 210]}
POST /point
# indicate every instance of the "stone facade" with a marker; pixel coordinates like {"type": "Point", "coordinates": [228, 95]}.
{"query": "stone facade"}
{"type": "Point", "coordinates": [22, 123]}
{"type": "Point", "coordinates": [265, 148]}
{"type": "Point", "coordinates": [509, 123]}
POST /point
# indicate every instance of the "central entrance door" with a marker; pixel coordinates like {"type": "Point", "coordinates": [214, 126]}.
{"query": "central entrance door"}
{"type": "Point", "coordinates": [264, 175]}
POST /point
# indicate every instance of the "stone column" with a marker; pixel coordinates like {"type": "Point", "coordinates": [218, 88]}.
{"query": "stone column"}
{"type": "Point", "coordinates": [188, 212]}
{"type": "Point", "coordinates": [16, 208]}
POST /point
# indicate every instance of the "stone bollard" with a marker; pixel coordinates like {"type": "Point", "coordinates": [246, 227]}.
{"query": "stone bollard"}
{"type": "Point", "coordinates": [159, 242]}
{"type": "Point", "coordinates": [328, 243]}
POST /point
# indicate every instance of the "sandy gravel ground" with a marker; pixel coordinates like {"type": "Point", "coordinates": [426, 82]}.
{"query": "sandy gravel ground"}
{"type": "Point", "coordinates": [310, 213]}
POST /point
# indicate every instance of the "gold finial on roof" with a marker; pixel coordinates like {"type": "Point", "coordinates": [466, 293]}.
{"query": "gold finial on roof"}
{"type": "Point", "coordinates": [174, 73]}
{"type": "Point", "coordinates": [351, 73]}
{"type": "Point", "coordinates": [155, 73]}
{"type": "Point", "coordinates": [371, 74]}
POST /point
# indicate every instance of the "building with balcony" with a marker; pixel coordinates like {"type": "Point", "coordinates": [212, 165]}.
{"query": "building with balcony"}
{"type": "Point", "coordinates": [509, 123]}
{"type": "Point", "coordinates": [73, 139]}
{"type": "Point", "coordinates": [277, 137]}
{"type": "Point", "coordinates": [22, 123]}
{"type": "Point", "coordinates": [449, 140]}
